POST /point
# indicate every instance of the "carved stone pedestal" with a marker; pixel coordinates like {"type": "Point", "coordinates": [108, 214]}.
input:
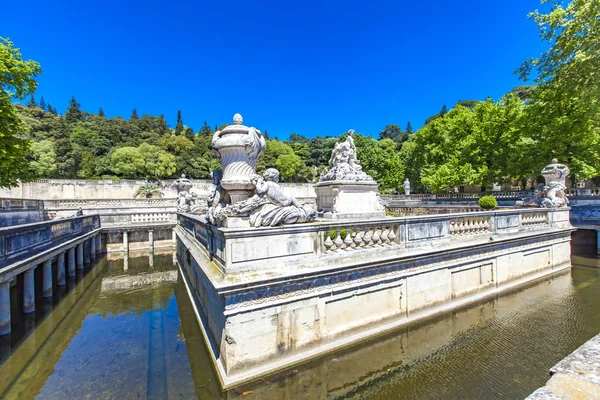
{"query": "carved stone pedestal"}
{"type": "Point", "coordinates": [349, 199]}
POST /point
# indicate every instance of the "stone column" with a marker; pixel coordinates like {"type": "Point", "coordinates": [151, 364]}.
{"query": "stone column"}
{"type": "Point", "coordinates": [28, 291]}
{"type": "Point", "coordinates": [174, 237]}
{"type": "Point", "coordinates": [80, 256]}
{"type": "Point", "coordinates": [151, 240]}
{"type": "Point", "coordinates": [98, 244]}
{"type": "Point", "coordinates": [86, 251]}
{"type": "Point", "coordinates": [47, 279]}
{"type": "Point", "coordinates": [60, 269]}
{"type": "Point", "coordinates": [5, 310]}
{"type": "Point", "coordinates": [125, 242]}
{"type": "Point", "coordinates": [71, 261]}
{"type": "Point", "coordinates": [93, 247]}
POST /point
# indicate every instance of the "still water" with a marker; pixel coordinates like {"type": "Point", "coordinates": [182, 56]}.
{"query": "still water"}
{"type": "Point", "coordinates": [126, 330]}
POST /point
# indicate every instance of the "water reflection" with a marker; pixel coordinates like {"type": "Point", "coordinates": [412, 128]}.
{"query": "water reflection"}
{"type": "Point", "coordinates": [127, 330]}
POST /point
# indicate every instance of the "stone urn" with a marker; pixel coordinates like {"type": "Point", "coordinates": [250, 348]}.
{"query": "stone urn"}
{"type": "Point", "coordinates": [555, 175]}
{"type": "Point", "coordinates": [238, 147]}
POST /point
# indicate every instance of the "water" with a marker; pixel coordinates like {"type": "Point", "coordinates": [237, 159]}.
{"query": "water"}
{"type": "Point", "coordinates": [127, 330]}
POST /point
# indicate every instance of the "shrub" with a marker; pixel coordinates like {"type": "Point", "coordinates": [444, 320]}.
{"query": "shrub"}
{"type": "Point", "coordinates": [487, 202]}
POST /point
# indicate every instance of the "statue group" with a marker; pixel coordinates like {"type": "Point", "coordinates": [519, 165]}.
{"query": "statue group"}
{"type": "Point", "coordinates": [344, 162]}
{"type": "Point", "coordinates": [552, 194]}
{"type": "Point", "coordinates": [240, 192]}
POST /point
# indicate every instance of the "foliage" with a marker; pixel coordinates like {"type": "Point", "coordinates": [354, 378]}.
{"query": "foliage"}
{"type": "Point", "coordinates": [42, 158]}
{"type": "Point", "coordinates": [487, 202]}
{"type": "Point", "coordinates": [149, 190]}
{"type": "Point", "coordinates": [564, 113]}
{"type": "Point", "coordinates": [17, 79]}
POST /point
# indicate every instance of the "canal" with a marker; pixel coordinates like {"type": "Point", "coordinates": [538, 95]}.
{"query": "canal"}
{"type": "Point", "coordinates": [125, 329]}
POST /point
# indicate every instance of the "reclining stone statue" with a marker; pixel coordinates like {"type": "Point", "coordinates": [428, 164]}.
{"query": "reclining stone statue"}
{"type": "Point", "coordinates": [269, 206]}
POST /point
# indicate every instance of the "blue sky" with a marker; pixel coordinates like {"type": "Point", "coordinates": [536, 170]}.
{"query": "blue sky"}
{"type": "Point", "coordinates": [310, 67]}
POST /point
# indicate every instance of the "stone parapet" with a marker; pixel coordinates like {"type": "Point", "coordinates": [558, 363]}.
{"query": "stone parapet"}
{"type": "Point", "coordinates": [267, 298]}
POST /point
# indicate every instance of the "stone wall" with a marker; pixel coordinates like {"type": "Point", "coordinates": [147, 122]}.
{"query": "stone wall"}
{"type": "Point", "coordinates": [272, 297]}
{"type": "Point", "coordinates": [59, 189]}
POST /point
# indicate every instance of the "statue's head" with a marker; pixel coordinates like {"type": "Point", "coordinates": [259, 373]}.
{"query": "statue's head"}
{"type": "Point", "coordinates": [351, 132]}
{"type": "Point", "coordinates": [271, 174]}
{"type": "Point", "coordinates": [237, 119]}
{"type": "Point", "coordinates": [182, 176]}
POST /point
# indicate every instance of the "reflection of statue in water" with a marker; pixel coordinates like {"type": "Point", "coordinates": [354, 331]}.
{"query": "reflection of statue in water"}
{"type": "Point", "coordinates": [344, 162]}
{"type": "Point", "coordinates": [187, 202]}
{"type": "Point", "coordinates": [406, 185]}
{"type": "Point", "coordinates": [269, 206]}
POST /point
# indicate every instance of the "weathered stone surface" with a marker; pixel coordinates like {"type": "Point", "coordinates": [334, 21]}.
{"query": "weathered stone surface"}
{"type": "Point", "coordinates": [577, 376]}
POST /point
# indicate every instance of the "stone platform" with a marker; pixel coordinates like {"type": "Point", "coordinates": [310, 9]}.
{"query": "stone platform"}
{"type": "Point", "coordinates": [349, 199]}
{"type": "Point", "coordinates": [267, 298]}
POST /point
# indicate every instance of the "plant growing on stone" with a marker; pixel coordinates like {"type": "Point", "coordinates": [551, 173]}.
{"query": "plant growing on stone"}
{"type": "Point", "coordinates": [149, 190]}
{"type": "Point", "coordinates": [487, 202]}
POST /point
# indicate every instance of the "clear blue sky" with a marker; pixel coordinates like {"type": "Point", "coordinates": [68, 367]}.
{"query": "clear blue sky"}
{"type": "Point", "coordinates": [310, 67]}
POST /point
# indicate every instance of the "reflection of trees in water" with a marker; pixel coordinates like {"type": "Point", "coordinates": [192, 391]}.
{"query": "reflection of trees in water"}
{"type": "Point", "coordinates": [206, 383]}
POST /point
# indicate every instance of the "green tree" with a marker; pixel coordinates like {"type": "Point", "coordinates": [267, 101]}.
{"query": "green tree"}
{"type": "Point", "coordinates": [128, 162]}
{"type": "Point", "coordinates": [32, 103]}
{"type": "Point", "coordinates": [43, 104]}
{"type": "Point", "coordinates": [74, 113]}
{"type": "Point", "coordinates": [17, 79]}
{"type": "Point", "coordinates": [409, 129]}
{"type": "Point", "coordinates": [179, 125]}
{"type": "Point", "coordinates": [43, 159]}
{"type": "Point", "coordinates": [101, 113]}
{"type": "Point", "coordinates": [563, 116]}
{"type": "Point", "coordinates": [157, 163]}
{"type": "Point", "coordinates": [134, 115]}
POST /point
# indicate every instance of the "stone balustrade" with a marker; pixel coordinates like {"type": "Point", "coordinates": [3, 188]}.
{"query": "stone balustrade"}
{"type": "Point", "coordinates": [104, 203]}
{"type": "Point", "coordinates": [21, 204]}
{"type": "Point", "coordinates": [20, 241]}
{"type": "Point", "coordinates": [239, 250]}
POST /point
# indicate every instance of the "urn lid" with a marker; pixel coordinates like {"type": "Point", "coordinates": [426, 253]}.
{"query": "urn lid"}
{"type": "Point", "coordinates": [237, 126]}
{"type": "Point", "coordinates": [555, 171]}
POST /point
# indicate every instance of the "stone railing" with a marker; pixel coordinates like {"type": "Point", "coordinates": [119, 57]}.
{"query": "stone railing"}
{"type": "Point", "coordinates": [150, 218]}
{"type": "Point", "coordinates": [245, 249]}
{"type": "Point", "coordinates": [501, 195]}
{"type": "Point", "coordinates": [20, 241]}
{"type": "Point", "coordinates": [407, 211]}
{"type": "Point", "coordinates": [21, 204]}
{"type": "Point", "coordinates": [361, 235]}
{"type": "Point", "coordinates": [104, 203]}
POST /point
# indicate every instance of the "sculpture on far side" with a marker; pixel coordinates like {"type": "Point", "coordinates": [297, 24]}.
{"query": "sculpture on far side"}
{"type": "Point", "coordinates": [269, 206]}
{"type": "Point", "coordinates": [187, 201]}
{"type": "Point", "coordinates": [344, 162]}
{"type": "Point", "coordinates": [553, 194]}
{"type": "Point", "coordinates": [406, 185]}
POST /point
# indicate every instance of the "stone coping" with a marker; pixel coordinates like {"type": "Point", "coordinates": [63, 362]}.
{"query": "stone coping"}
{"type": "Point", "coordinates": [34, 225]}
{"type": "Point", "coordinates": [577, 376]}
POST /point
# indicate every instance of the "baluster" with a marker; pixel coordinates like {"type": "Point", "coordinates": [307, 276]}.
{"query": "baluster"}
{"type": "Point", "coordinates": [367, 237]}
{"type": "Point", "coordinates": [358, 239]}
{"type": "Point", "coordinates": [392, 235]}
{"type": "Point", "coordinates": [338, 240]}
{"type": "Point", "coordinates": [348, 240]}
{"type": "Point", "coordinates": [328, 243]}
{"type": "Point", "coordinates": [384, 235]}
{"type": "Point", "coordinates": [376, 236]}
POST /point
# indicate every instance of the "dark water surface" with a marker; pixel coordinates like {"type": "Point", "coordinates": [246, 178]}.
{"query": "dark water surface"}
{"type": "Point", "coordinates": [126, 330]}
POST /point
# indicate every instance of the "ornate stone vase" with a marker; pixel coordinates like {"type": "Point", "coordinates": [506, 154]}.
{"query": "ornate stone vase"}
{"type": "Point", "coordinates": [555, 175]}
{"type": "Point", "coordinates": [238, 147]}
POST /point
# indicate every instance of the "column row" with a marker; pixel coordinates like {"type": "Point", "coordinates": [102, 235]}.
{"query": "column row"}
{"type": "Point", "coordinates": [73, 259]}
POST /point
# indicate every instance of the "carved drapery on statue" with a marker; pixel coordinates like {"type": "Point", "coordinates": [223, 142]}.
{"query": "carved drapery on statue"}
{"type": "Point", "coordinates": [344, 162]}
{"type": "Point", "coordinates": [269, 206]}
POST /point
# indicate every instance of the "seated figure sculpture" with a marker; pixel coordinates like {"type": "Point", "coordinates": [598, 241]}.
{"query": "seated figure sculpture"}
{"type": "Point", "coordinates": [187, 202]}
{"type": "Point", "coordinates": [344, 163]}
{"type": "Point", "coordinates": [269, 206]}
